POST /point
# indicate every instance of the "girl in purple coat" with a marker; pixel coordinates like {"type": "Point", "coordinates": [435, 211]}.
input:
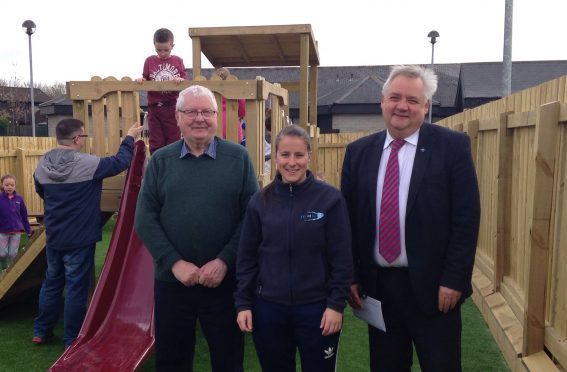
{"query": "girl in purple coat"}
{"type": "Point", "coordinates": [13, 220]}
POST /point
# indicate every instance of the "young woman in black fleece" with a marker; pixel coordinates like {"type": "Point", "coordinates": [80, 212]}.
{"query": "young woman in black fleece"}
{"type": "Point", "coordinates": [294, 263]}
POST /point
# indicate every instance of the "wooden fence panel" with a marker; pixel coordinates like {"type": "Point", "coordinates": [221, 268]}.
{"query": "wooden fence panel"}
{"type": "Point", "coordinates": [527, 306]}
{"type": "Point", "coordinates": [331, 154]}
{"type": "Point", "coordinates": [19, 157]}
{"type": "Point", "coordinates": [556, 302]}
{"type": "Point", "coordinates": [99, 127]}
{"type": "Point", "coordinates": [521, 173]}
{"type": "Point", "coordinates": [113, 122]}
{"type": "Point", "coordinates": [487, 168]}
{"type": "Point", "coordinates": [541, 185]}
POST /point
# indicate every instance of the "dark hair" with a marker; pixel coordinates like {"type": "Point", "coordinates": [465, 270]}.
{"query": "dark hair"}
{"type": "Point", "coordinates": [66, 128]}
{"type": "Point", "coordinates": [163, 35]}
{"type": "Point", "coordinates": [287, 131]}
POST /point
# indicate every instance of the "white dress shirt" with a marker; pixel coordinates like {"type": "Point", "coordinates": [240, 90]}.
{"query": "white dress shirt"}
{"type": "Point", "coordinates": [406, 156]}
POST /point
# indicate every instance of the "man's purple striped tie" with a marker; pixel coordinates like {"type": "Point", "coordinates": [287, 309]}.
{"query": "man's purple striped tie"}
{"type": "Point", "coordinates": [389, 244]}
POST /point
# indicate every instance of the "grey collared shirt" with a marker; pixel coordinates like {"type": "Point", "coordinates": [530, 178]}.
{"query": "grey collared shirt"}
{"type": "Point", "coordinates": [211, 150]}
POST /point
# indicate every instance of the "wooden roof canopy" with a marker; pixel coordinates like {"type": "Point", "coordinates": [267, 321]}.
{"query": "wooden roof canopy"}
{"type": "Point", "coordinates": [255, 46]}
{"type": "Point", "coordinates": [259, 46]}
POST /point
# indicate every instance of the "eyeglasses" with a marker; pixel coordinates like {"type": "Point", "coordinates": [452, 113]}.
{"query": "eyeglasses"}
{"type": "Point", "coordinates": [192, 114]}
{"type": "Point", "coordinates": [80, 136]}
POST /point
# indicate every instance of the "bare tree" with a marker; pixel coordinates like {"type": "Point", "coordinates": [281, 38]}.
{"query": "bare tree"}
{"type": "Point", "coordinates": [55, 90]}
{"type": "Point", "coordinates": [12, 107]}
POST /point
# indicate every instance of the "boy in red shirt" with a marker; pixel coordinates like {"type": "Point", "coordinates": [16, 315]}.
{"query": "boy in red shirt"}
{"type": "Point", "coordinates": [161, 105]}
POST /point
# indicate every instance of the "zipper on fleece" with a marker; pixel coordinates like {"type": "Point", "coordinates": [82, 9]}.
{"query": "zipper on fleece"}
{"type": "Point", "coordinates": [289, 234]}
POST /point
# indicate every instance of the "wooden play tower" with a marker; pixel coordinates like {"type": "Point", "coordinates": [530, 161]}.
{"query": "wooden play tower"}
{"type": "Point", "coordinates": [109, 106]}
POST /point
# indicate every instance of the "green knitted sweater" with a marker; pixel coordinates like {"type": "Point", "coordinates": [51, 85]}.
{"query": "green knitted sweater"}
{"type": "Point", "coordinates": [192, 208]}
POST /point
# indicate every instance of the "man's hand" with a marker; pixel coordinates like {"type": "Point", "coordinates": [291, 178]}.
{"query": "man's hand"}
{"type": "Point", "coordinates": [186, 272]}
{"type": "Point", "coordinates": [354, 300]}
{"type": "Point", "coordinates": [448, 298]}
{"type": "Point", "coordinates": [212, 273]}
{"type": "Point", "coordinates": [331, 322]}
{"type": "Point", "coordinates": [135, 131]}
{"type": "Point", "coordinates": [244, 320]}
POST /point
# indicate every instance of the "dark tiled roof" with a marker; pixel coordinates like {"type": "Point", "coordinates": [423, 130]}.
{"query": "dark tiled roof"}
{"type": "Point", "coordinates": [62, 100]}
{"type": "Point", "coordinates": [448, 84]}
{"type": "Point", "coordinates": [361, 90]}
{"type": "Point", "coordinates": [23, 94]}
{"type": "Point", "coordinates": [351, 84]}
{"type": "Point", "coordinates": [361, 85]}
{"type": "Point", "coordinates": [484, 80]}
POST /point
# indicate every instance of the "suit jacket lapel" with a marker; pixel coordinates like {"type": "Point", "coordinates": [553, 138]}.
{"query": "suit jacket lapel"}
{"type": "Point", "coordinates": [373, 160]}
{"type": "Point", "coordinates": [425, 145]}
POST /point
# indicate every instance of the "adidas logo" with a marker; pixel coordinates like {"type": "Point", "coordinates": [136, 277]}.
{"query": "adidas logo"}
{"type": "Point", "coordinates": [329, 353]}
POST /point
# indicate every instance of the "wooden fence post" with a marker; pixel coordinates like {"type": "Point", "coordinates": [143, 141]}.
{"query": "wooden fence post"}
{"type": "Point", "coordinates": [471, 128]}
{"type": "Point", "coordinates": [503, 187]}
{"type": "Point", "coordinates": [545, 141]}
{"type": "Point", "coordinates": [20, 169]}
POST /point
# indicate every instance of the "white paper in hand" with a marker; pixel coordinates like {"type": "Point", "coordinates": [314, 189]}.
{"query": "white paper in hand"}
{"type": "Point", "coordinates": [371, 313]}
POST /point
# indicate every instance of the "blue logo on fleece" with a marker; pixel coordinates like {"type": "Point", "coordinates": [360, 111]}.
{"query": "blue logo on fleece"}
{"type": "Point", "coordinates": [312, 216]}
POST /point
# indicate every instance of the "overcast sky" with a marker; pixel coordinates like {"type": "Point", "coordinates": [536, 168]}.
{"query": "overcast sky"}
{"type": "Point", "coordinates": [78, 39]}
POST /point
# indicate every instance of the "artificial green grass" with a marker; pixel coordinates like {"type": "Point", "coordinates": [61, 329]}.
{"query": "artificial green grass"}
{"type": "Point", "coordinates": [479, 351]}
{"type": "Point", "coordinates": [17, 353]}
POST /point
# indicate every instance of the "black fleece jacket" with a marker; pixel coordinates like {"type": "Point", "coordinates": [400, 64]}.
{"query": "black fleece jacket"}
{"type": "Point", "coordinates": [295, 246]}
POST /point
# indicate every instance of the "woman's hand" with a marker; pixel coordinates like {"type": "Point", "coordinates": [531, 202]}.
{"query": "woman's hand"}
{"type": "Point", "coordinates": [244, 320]}
{"type": "Point", "coordinates": [331, 322]}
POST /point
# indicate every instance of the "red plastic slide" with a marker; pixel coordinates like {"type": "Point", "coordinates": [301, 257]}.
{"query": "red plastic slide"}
{"type": "Point", "coordinates": [118, 333]}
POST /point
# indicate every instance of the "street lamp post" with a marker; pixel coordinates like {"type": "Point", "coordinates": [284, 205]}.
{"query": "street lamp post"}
{"type": "Point", "coordinates": [433, 35]}
{"type": "Point", "coordinates": [29, 28]}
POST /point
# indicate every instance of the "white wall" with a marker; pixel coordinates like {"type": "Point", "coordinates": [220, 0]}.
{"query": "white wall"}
{"type": "Point", "coordinates": [52, 121]}
{"type": "Point", "coordinates": [358, 123]}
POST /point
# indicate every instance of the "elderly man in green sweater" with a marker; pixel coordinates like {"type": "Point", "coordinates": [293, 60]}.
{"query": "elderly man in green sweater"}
{"type": "Point", "coordinates": [191, 204]}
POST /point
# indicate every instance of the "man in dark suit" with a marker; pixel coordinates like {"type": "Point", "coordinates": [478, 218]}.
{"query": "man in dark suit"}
{"type": "Point", "coordinates": [414, 207]}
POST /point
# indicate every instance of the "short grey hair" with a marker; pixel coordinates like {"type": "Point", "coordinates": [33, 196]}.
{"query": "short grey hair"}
{"type": "Point", "coordinates": [195, 91]}
{"type": "Point", "coordinates": [427, 76]}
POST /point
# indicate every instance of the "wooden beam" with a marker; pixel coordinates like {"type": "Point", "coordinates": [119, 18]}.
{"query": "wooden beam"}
{"type": "Point", "coordinates": [196, 45]}
{"type": "Point", "coordinates": [291, 86]}
{"type": "Point", "coordinates": [555, 342]}
{"type": "Point", "coordinates": [521, 119]}
{"type": "Point", "coordinates": [255, 114]}
{"type": "Point", "coordinates": [33, 249]}
{"type": "Point", "coordinates": [113, 123]}
{"type": "Point", "coordinates": [472, 130]}
{"type": "Point", "coordinates": [563, 112]}
{"type": "Point", "coordinates": [92, 90]}
{"type": "Point", "coordinates": [502, 199]}
{"type": "Point", "coordinates": [505, 328]}
{"type": "Point", "coordinates": [249, 30]}
{"type": "Point", "coordinates": [303, 81]}
{"type": "Point", "coordinates": [81, 112]}
{"type": "Point", "coordinates": [539, 362]}
{"type": "Point", "coordinates": [546, 134]}
{"type": "Point", "coordinates": [98, 128]}
{"type": "Point", "coordinates": [313, 77]}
